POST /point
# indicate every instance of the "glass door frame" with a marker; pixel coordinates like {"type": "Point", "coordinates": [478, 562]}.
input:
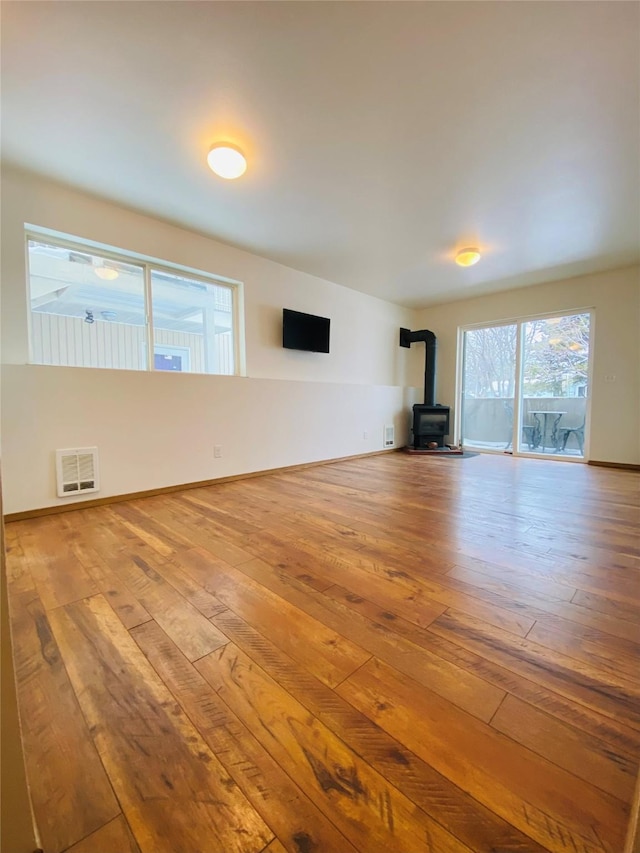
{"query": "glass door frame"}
{"type": "Point", "coordinates": [519, 322]}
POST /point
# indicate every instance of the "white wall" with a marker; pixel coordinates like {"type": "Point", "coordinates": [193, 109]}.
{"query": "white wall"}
{"type": "Point", "coordinates": [154, 430]}
{"type": "Point", "coordinates": [159, 429]}
{"type": "Point", "coordinates": [615, 296]}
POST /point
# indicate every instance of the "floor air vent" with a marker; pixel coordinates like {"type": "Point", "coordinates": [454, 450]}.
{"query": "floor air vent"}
{"type": "Point", "coordinates": [389, 436]}
{"type": "Point", "coordinates": [77, 471]}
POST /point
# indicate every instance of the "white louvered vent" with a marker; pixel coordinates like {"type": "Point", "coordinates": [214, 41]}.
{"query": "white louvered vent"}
{"type": "Point", "coordinates": [389, 436]}
{"type": "Point", "coordinates": [77, 471]}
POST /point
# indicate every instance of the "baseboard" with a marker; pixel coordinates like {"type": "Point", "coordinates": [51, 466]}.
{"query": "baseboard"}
{"type": "Point", "coordinates": [181, 487]}
{"type": "Point", "coordinates": [627, 466]}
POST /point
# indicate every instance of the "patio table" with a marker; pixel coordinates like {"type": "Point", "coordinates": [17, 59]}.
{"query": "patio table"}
{"type": "Point", "coordinates": [548, 428]}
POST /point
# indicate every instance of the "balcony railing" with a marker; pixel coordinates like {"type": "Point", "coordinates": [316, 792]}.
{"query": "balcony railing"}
{"type": "Point", "coordinates": [488, 422]}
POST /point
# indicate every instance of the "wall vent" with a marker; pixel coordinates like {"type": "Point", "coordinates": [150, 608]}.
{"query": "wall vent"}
{"type": "Point", "coordinates": [389, 436]}
{"type": "Point", "coordinates": [77, 471]}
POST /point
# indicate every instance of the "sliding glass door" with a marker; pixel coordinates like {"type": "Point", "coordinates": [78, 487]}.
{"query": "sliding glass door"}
{"type": "Point", "coordinates": [524, 386]}
{"type": "Point", "coordinates": [555, 384]}
{"type": "Point", "coordinates": [488, 386]}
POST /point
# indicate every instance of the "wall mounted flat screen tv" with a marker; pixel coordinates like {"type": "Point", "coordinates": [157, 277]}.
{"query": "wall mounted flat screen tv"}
{"type": "Point", "coordinates": [305, 331]}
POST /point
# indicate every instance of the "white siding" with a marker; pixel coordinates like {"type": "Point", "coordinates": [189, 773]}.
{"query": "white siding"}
{"type": "Point", "coordinates": [71, 342]}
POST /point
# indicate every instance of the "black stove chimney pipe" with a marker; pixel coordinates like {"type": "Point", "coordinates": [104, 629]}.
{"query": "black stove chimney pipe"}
{"type": "Point", "coordinates": [406, 339]}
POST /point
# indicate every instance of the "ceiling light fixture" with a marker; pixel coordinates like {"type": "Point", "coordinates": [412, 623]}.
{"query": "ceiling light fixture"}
{"type": "Point", "coordinates": [106, 273]}
{"type": "Point", "coordinates": [226, 161]}
{"type": "Point", "coordinates": [467, 257]}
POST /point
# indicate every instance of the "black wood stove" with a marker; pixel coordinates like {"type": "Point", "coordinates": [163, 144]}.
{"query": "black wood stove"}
{"type": "Point", "coordinates": [430, 424]}
{"type": "Point", "coordinates": [430, 419]}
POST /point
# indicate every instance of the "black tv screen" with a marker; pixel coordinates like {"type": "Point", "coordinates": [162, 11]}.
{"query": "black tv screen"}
{"type": "Point", "coordinates": [305, 331]}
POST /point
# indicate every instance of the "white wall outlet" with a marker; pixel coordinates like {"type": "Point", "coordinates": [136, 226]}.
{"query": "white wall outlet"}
{"type": "Point", "coordinates": [217, 451]}
{"type": "Point", "coordinates": [610, 377]}
{"type": "Point", "coordinates": [365, 435]}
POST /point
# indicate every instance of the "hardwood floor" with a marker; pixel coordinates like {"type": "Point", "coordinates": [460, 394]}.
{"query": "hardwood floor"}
{"type": "Point", "coordinates": [385, 654]}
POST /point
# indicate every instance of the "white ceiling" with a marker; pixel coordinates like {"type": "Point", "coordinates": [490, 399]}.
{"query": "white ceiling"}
{"type": "Point", "coordinates": [381, 136]}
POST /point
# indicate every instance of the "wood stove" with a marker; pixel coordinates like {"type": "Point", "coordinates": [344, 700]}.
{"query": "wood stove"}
{"type": "Point", "coordinates": [430, 424]}
{"type": "Point", "coordinates": [430, 419]}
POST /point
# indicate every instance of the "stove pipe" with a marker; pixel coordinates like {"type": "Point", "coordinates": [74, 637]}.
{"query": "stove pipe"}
{"type": "Point", "coordinates": [406, 339]}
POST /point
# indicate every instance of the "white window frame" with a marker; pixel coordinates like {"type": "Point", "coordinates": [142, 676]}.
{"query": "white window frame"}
{"type": "Point", "coordinates": [149, 264]}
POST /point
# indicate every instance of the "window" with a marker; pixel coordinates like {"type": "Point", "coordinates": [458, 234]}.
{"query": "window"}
{"type": "Point", "coordinates": [90, 309]}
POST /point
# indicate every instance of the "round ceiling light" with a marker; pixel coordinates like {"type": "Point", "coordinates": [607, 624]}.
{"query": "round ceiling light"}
{"type": "Point", "coordinates": [467, 257]}
{"type": "Point", "coordinates": [226, 161]}
{"type": "Point", "coordinates": [106, 273]}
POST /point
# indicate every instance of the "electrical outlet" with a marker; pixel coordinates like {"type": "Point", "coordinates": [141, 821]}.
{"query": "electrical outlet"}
{"type": "Point", "coordinates": [217, 451]}
{"type": "Point", "coordinates": [610, 377]}
{"type": "Point", "coordinates": [365, 435]}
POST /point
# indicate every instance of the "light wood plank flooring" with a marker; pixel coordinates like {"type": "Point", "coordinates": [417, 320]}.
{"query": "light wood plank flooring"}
{"type": "Point", "coordinates": [385, 654]}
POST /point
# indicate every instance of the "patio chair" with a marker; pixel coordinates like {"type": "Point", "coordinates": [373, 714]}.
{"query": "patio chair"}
{"type": "Point", "coordinates": [530, 435]}
{"type": "Point", "coordinates": [563, 434]}
{"type": "Point", "coordinates": [529, 431]}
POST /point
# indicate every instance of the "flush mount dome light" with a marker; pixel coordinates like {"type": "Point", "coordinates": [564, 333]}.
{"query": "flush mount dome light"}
{"type": "Point", "coordinates": [467, 257]}
{"type": "Point", "coordinates": [106, 273]}
{"type": "Point", "coordinates": [226, 161]}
